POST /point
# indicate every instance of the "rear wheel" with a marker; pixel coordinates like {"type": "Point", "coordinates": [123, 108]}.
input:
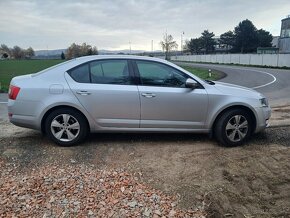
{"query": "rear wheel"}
{"type": "Point", "coordinates": [66, 127]}
{"type": "Point", "coordinates": [234, 127]}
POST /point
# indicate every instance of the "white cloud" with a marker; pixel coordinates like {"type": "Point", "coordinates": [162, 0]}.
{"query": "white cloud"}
{"type": "Point", "coordinates": [112, 24]}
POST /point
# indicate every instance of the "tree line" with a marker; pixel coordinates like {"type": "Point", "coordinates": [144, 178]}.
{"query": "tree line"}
{"type": "Point", "coordinates": [73, 51]}
{"type": "Point", "coordinates": [245, 38]}
{"type": "Point", "coordinates": [16, 52]}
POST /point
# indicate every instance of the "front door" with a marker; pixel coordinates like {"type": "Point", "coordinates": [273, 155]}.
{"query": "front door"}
{"type": "Point", "coordinates": [166, 102]}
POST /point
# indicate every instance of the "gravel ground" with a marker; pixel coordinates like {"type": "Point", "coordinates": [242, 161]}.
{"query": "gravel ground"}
{"type": "Point", "coordinates": [82, 191]}
{"type": "Point", "coordinates": [177, 174]}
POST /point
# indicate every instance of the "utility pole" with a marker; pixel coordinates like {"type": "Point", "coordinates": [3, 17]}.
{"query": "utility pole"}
{"type": "Point", "coordinates": [181, 42]}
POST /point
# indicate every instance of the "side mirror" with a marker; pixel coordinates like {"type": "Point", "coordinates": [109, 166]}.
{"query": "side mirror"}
{"type": "Point", "coordinates": [190, 83]}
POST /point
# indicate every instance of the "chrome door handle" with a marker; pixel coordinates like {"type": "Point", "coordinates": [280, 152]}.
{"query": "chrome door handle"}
{"type": "Point", "coordinates": [83, 93]}
{"type": "Point", "coordinates": [148, 95]}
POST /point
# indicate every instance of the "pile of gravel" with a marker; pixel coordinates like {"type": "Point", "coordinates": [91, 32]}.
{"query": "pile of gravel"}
{"type": "Point", "coordinates": [82, 191]}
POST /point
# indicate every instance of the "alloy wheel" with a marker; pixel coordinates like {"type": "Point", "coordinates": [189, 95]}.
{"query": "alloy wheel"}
{"type": "Point", "coordinates": [65, 127]}
{"type": "Point", "coordinates": [237, 128]}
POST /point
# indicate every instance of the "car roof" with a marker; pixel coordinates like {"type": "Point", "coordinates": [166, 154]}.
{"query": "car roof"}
{"type": "Point", "coordinates": [133, 57]}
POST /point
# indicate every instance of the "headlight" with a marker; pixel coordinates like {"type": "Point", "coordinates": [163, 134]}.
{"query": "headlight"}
{"type": "Point", "coordinates": [264, 102]}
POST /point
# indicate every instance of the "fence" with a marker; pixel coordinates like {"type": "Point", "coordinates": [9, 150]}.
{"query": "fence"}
{"type": "Point", "coordinates": [273, 60]}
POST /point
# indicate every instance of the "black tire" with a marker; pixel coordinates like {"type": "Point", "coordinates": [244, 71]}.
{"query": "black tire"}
{"type": "Point", "coordinates": [230, 134]}
{"type": "Point", "coordinates": [69, 135]}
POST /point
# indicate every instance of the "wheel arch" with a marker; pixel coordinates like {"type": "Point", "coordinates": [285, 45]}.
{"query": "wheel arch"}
{"type": "Point", "coordinates": [243, 107]}
{"type": "Point", "coordinates": [44, 117]}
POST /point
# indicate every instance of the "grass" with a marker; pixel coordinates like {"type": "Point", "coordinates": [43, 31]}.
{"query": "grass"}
{"type": "Point", "coordinates": [12, 68]}
{"type": "Point", "coordinates": [203, 73]}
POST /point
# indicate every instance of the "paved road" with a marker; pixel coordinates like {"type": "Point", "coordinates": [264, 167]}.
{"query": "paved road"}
{"type": "Point", "coordinates": [273, 83]}
{"type": "Point", "coordinates": [3, 107]}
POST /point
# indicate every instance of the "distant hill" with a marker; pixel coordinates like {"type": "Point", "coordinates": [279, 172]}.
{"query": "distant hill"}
{"type": "Point", "coordinates": [57, 52]}
{"type": "Point", "coordinates": [49, 52]}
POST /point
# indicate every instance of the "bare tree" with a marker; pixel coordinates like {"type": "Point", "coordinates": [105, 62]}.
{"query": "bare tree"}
{"type": "Point", "coordinates": [168, 44]}
{"type": "Point", "coordinates": [17, 52]}
{"type": "Point", "coordinates": [76, 50]}
{"type": "Point", "coordinates": [5, 51]}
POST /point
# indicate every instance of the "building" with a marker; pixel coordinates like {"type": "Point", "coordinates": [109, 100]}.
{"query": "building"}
{"type": "Point", "coordinates": [267, 50]}
{"type": "Point", "coordinates": [284, 40]}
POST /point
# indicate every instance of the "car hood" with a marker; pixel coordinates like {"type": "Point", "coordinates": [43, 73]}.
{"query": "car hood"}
{"type": "Point", "coordinates": [235, 90]}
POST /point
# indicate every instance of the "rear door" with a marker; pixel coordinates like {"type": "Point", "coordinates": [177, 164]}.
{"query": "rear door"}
{"type": "Point", "coordinates": [165, 101]}
{"type": "Point", "coordinates": [106, 91]}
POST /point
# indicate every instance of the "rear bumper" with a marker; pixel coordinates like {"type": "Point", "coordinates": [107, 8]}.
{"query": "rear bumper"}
{"type": "Point", "coordinates": [24, 121]}
{"type": "Point", "coordinates": [22, 113]}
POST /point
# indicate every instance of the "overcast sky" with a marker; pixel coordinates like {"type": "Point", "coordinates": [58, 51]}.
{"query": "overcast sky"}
{"type": "Point", "coordinates": [111, 24]}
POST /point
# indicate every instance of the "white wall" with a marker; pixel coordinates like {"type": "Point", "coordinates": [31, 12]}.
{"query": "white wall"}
{"type": "Point", "coordinates": [274, 60]}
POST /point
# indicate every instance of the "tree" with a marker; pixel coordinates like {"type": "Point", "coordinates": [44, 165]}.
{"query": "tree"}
{"type": "Point", "coordinates": [227, 39]}
{"type": "Point", "coordinates": [168, 44]}
{"type": "Point", "coordinates": [5, 55]}
{"type": "Point", "coordinates": [246, 37]}
{"type": "Point", "coordinates": [5, 50]}
{"type": "Point", "coordinates": [29, 52]}
{"type": "Point", "coordinates": [17, 52]}
{"type": "Point", "coordinates": [264, 38]}
{"type": "Point", "coordinates": [194, 45]}
{"type": "Point", "coordinates": [207, 41]}
{"type": "Point", "coordinates": [62, 56]}
{"type": "Point", "coordinates": [75, 50]}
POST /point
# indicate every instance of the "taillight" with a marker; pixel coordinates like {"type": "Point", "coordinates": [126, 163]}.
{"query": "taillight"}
{"type": "Point", "coordinates": [13, 92]}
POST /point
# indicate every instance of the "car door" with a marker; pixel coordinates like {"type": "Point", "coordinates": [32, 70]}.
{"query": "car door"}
{"type": "Point", "coordinates": [106, 91]}
{"type": "Point", "coordinates": [165, 101]}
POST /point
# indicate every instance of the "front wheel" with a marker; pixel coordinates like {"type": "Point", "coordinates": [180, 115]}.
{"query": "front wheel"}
{"type": "Point", "coordinates": [66, 127]}
{"type": "Point", "coordinates": [234, 127]}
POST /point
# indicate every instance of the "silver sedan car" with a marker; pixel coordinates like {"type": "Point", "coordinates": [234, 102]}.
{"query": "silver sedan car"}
{"type": "Point", "coordinates": [132, 94]}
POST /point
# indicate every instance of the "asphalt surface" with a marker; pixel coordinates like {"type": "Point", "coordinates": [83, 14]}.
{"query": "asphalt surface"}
{"type": "Point", "coordinates": [3, 107]}
{"type": "Point", "coordinates": [273, 83]}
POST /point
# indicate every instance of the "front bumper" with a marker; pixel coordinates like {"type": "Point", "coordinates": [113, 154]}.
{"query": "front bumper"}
{"type": "Point", "coordinates": [263, 117]}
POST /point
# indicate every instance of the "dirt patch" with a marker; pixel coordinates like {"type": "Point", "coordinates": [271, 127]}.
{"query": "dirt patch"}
{"type": "Point", "coordinates": [247, 181]}
{"type": "Point", "coordinates": [280, 116]}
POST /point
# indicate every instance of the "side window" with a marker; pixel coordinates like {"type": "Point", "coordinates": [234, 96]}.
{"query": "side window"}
{"type": "Point", "coordinates": [155, 74]}
{"type": "Point", "coordinates": [110, 72]}
{"type": "Point", "coordinates": [81, 74]}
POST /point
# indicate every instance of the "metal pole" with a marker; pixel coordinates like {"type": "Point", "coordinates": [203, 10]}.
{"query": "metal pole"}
{"type": "Point", "coordinates": [181, 42]}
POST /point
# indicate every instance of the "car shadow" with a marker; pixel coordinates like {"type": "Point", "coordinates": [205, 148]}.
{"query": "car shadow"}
{"type": "Point", "coordinates": [146, 137]}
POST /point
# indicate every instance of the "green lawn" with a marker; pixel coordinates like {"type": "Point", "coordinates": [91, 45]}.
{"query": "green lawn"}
{"type": "Point", "coordinates": [203, 73]}
{"type": "Point", "coordinates": [12, 68]}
